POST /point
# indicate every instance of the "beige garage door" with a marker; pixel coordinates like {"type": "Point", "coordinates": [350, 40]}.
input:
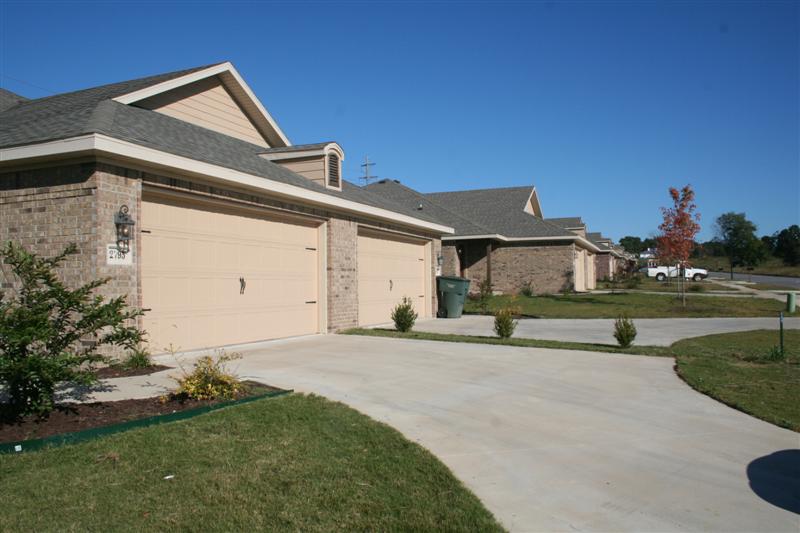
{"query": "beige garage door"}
{"type": "Point", "coordinates": [214, 275]}
{"type": "Point", "coordinates": [389, 268]}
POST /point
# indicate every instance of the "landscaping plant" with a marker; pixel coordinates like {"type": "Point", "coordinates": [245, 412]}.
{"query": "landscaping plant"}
{"type": "Point", "coordinates": [504, 322]}
{"type": "Point", "coordinates": [139, 357]}
{"type": "Point", "coordinates": [527, 289]}
{"type": "Point", "coordinates": [210, 378]}
{"type": "Point", "coordinates": [403, 315]}
{"type": "Point", "coordinates": [50, 333]}
{"type": "Point", "coordinates": [624, 331]}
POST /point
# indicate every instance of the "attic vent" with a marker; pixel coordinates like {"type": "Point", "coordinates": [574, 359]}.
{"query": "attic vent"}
{"type": "Point", "coordinates": [334, 177]}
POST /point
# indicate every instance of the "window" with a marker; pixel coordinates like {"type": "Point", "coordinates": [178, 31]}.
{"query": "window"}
{"type": "Point", "coordinates": [334, 176]}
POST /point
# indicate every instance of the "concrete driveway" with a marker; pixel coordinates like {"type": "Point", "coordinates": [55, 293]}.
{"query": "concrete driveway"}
{"type": "Point", "coordinates": [651, 331]}
{"type": "Point", "coordinates": [555, 440]}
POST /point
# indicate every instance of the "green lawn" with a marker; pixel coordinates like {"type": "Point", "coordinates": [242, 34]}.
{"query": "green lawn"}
{"type": "Point", "coordinates": [770, 267]}
{"type": "Point", "coordinates": [652, 285]}
{"type": "Point", "coordinates": [733, 367]}
{"type": "Point", "coordinates": [770, 287]}
{"type": "Point", "coordinates": [299, 463]}
{"type": "Point", "coordinates": [635, 305]}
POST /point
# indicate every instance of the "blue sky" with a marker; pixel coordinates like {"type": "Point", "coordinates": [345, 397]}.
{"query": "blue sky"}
{"type": "Point", "coordinates": [602, 106]}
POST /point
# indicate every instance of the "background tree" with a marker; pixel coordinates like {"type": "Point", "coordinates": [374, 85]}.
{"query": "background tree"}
{"type": "Point", "coordinates": [787, 245]}
{"type": "Point", "coordinates": [678, 230]}
{"type": "Point", "coordinates": [770, 242]}
{"type": "Point", "coordinates": [631, 244]}
{"type": "Point", "coordinates": [737, 235]}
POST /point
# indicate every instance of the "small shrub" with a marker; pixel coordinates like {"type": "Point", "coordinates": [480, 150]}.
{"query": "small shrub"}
{"type": "Point", "coordinates": [775, 354]}
{"type": "Point", "coordinates": [504, 322]}
{"type": "Point", "coordinates": [404, 316]}
{"type": "Point", "coordinates": [527, 289]}
{"type": "Point", "coordinates": [485, 292]}
{"type": "Point", "coordinates": [52, 333]}
{"type": "Point", "coordinates": [624, 331]}
{"type": "Point", "coordinates": [139, 357]}
{"type": "Point", "coordinates": [633, 281]}
{"type": "Point", "coordinates": [210, 378]}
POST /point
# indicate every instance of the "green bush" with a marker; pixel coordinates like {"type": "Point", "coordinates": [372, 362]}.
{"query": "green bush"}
{"type": "Point", "coordinates": [624, 331]}
{"type": "Point", "coordinates": [504, 322]}
{"type": "Point", "coordinates": [210, 378]}
{"type": "Point", "coordinates": [485, 293]}
{"type": "Point", "coordinates": [633, 281]}
{"type": "Point", "coordinates": [775, 354]}
{"type": "Point", "coordinates": [403, 315]}
{"type": "Point", "coordinates": [527, 289]}
{"type": "Point", "coordinates": [139, 357]}
{"type": "Point", "coordinates": [50, 333]}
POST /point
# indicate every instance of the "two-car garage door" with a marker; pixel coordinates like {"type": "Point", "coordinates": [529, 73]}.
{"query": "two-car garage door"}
{"type": "Point", "coordinates": [213, 275]}
{"type": "Point", "coordinates": [391, 267]}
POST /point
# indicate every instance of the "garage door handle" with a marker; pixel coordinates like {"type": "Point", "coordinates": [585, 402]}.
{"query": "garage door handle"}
{"type": "Point", "coordinates": [242, 285]}
{"type": "Point", "coordinates": [391, 284]}
{"type": "Point", "coordinates": [311, 302]}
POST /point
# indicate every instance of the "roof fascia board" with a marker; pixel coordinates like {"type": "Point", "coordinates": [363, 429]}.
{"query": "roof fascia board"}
{"type": "Point", "coordinates": [102, 144]}
{"type": "Point", "coordinates": [299, 154]}
{"type": "Point", "coordinates": [222, 68]}
{"type": "Point", "coordinates": [573, 238]}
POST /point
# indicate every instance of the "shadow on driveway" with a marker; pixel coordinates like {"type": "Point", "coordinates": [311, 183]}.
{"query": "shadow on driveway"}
{"type": "Point", "coordinates": [776, 479]}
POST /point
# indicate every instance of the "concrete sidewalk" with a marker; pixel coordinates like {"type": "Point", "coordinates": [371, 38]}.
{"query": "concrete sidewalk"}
{"type": "Point", "coordinates": [651, 331]}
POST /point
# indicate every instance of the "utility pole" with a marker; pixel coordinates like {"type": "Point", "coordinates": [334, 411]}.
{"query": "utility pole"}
{"type": "Point", "coordinates": [367, 177]}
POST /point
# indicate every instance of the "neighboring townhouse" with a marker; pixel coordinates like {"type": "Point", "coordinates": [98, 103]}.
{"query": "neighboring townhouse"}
{"type": "Point", "coordinates": [500, 235]}
{"type": "Point", "coordinates": [611, 260]}
{"type": "Point", "coordinates": [237, 235]}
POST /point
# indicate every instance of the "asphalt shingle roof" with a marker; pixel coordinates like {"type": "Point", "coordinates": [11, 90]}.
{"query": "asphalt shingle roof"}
{"type": "Point", "coordinates": [94, 111]}
{"type": "Point", "coordinates": [566, 222]}
{"type": "Point", "coordinates": [411, 199]}
{"type": "Point", "coordinates": [9, 99]}
{"type": "Point", "coordinates": [499, 211]}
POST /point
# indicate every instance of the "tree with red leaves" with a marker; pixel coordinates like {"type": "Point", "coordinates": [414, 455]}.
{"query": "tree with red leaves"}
{"type": "Point", "coordinates": [680, 226]}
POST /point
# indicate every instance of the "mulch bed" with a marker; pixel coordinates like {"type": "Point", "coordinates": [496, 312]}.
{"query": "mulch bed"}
{"type": "Point", "coordinates": [75, 417]}
{"type": "Point", "coordinates": [119, 372]}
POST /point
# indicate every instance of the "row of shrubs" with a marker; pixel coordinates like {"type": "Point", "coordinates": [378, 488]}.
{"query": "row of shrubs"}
{"type": "Point", "coordinates": [505, 322]}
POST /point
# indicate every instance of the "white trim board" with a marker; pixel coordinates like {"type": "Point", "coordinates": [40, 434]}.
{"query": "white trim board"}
{"type": "Point", "coordinates": [502, 238]}
{"type": "Point", "coordinates": [99, 144]}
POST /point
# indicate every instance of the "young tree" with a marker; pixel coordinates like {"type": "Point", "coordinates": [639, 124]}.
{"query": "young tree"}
{"type": "Point", "coordinates": [43, 328]}
{"type": "Point", "coordinates": [787, 245]}
{"type": "Point", "coordinates": [737, 235]}
{"type": "Point", "coordinates": [678, 230]}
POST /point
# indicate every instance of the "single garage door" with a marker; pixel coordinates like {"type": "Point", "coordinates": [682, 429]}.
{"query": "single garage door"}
{"type": "Point", "coordinates": [389, 268]}
{"type": "Point", "coordinates": [214, 275]}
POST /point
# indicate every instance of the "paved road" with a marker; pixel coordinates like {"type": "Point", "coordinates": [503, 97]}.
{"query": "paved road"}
{"type": "Point", "coordinates": [557, 440]}
{"type": "Point", "coordinates": [651, 331]}
{"type": "Point", "coordinates": [758, 278]}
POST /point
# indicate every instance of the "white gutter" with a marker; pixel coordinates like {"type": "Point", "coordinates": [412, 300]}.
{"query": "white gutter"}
{"type": "Point", "coordinates": [103, 145]}
{"type": "Point", "coordinates": [502, 238]}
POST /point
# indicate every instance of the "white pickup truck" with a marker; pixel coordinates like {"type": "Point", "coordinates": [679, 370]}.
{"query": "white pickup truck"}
{"type": "Point", "coordinates": [662, 272]}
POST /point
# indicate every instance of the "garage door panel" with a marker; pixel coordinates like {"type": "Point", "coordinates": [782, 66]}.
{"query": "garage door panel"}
{"type": "Point", "coordinates": [191, 264]}
{"type": "Point", "coordinates": [388, 270]}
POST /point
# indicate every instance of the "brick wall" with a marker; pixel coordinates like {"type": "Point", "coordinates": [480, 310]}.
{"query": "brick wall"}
{"type": "Point", "coordinates": [436, 251]}
{"type": "Point", "coordinates": [450, 264]}
{"type": "Point", "coordinates": [342, 274]}
{"type": "Point", "coordinates": [46, 209]}
{"type": "Point", "coordinates": [602, 266]}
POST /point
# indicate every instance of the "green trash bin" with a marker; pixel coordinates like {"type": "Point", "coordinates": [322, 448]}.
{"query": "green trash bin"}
{"type": "Point", "coordinates": [452, 295]}
{"type": "Point", "coordinates": [791, 302]}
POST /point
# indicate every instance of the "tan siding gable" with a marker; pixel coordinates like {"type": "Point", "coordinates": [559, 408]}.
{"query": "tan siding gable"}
{"type": "Point", "coordinates": [311, 168]}
{"type": "Point", "coordinates": [208, 104]}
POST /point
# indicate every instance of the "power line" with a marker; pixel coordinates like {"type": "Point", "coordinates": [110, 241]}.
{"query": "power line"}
{"type": "Point", "coordinates": [28, 83]}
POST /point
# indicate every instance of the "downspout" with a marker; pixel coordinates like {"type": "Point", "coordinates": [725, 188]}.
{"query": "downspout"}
{"type": "Point", "coordinates": [489, 262]}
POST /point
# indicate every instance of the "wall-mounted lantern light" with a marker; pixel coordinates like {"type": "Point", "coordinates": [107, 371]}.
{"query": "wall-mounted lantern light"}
{"type": "Point", "coordinates": [124, 224]}
{"type": "Point", "coordinates": [439, 260]}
